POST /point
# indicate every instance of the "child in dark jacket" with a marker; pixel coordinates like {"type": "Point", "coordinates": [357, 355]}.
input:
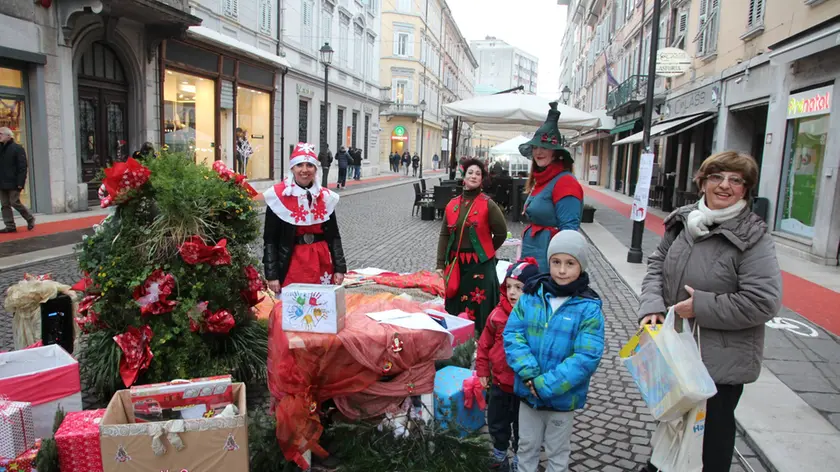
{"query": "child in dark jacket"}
{"type": "Point", "coordinates": [554, 340]}
{"type": "Point", "coordinates": [503, 411]}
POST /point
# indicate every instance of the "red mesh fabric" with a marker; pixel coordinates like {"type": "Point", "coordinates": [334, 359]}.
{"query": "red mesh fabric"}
{"type": "Point", "coordinates": [305, 369]}
{"type": "Point", "coordinates": [429, 282]}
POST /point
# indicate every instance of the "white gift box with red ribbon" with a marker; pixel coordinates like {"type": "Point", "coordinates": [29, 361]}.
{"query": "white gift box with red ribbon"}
{"type": "Point", "coordinates": [17, 433]}
{"type": "Point", "coordinates": [46, 377]}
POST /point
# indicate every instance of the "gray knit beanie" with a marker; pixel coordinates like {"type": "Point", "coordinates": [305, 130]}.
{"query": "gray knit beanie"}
{"type": "Point", "coordinates": [569, 242]}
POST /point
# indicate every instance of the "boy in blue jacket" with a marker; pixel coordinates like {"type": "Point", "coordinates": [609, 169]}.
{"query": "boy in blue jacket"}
{"type": "Point", "coordinates": [554, 340]}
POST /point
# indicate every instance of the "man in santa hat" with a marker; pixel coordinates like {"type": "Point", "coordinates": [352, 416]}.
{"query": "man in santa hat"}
{"type": "Point", "coordinates": [302, 241]}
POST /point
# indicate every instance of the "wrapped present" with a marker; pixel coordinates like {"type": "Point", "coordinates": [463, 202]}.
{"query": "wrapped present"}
{"type": "Point", "coordinates": [462, 329]}
{"type": "Point", "coordinates": [313, 308]}
{"type": "Point", "coordinates": [181, 399]}
{"type": "Point", "coordinates": [77, 441]}
{"type": "Point", "coordinates": [454, 407]}
{"type": "Point", "coordinates": [218, 443]}
{"type": "Point", "coordinates": [17, 432]}
{"type": "Point", "coordinates": [24, 462]}
{"type": "Point", "coordinates": [47, 377]}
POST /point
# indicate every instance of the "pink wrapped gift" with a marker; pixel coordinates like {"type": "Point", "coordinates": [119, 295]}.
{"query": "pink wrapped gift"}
{"type": "Point", "coordinates": [22, 463]}
{"type": "Point", "coordinates": [77, 440]}
{"type": "Point", "coordinates": [17, 431]}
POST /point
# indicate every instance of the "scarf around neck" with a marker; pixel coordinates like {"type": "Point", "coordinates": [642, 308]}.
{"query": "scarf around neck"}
{"type": "Point", "coordinates": [699, 220]}
{"type": "Point", "coordinates": [543, 177]}
{"type": "Point", "coordinates": [550, 286]}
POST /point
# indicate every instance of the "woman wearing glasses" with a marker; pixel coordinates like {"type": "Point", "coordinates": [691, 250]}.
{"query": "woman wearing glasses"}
{"type": "Point", "coordinates": [716, 265]}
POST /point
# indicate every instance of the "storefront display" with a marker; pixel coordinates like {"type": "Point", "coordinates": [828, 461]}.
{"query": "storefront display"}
{"type": "Point", "coordinates": [253, 117]}
{"type": "Point", "coordinates": [190, 115]}
{"type": "Point", "coordinates": [807, 133]}
{"type": "Point", "coordinates": [13, 115]}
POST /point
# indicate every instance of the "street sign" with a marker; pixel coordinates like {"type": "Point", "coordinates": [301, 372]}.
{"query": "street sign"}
{"type": "Point", "coordinates": [672, 62]}
{"type": "Point", "coordinates": [640, 198]}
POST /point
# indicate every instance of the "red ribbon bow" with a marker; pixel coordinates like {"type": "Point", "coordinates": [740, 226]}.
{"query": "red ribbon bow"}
{"type": "Point", "coordinates": [153, 293]}
{"type": "Point", "coordinates": [194, 251]}
{"type": "Point", "coordinates": [227, 175]}
{"type": "Point", "coordinates": [120, 178]}
{"type": "Point", "coordinates": [89, 318]}
{"type": "Point", "coordinates": [137, 354]}
{"type": "Point", "coordinates": [474, 392]}
{"type": "Point", "coordinates": [220, 322]}
{"type": "Point", "coordinates": [255, 285]}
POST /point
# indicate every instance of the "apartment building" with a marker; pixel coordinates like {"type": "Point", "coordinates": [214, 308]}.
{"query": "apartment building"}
{"type": "Point", "coordinates": [502, 66]}
{"type": "Point", "coordinates": [426, 61]}
{"type": "Point", "coordinates": [761, 81]}
{"type": "Point", "coordinates": [459, 80]}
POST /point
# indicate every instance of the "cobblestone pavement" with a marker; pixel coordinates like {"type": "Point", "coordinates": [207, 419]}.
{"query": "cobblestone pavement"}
{"type": "Point", "coordinates": [612, 432]}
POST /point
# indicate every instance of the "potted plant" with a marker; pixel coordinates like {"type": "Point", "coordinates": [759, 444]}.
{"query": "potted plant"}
{"type": "Point", "coordinates": [427, 211]}
{"type": "Point", "coordinates": [588, 215]}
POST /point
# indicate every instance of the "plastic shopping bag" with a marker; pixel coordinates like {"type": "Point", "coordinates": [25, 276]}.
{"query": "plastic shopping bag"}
{"type": "Point", "coordinates": [667, 367]}
{"type": "Point", "coordinates": [678, 445]}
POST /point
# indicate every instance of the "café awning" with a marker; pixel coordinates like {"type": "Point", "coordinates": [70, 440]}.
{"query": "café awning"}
{"type": "Point", "coordinates": [659, 129]}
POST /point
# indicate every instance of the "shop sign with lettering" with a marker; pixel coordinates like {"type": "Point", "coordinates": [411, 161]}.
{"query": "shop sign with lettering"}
{"type": "Point", "coordinates": [701, 100]}
{"type": "Point", "coordinates": [305, 91]}
{"type": "Point", "coordinates": [811, 103]}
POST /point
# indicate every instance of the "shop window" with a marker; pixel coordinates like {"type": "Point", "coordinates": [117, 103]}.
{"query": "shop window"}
{"type": "Point", "coordinates": [190, 115]}
{"type": "Point", "coordinates": [253, 121]}
{"type": "Point", "coordinates": [13, 116]}
{"type": "Point", "coordinates": [807, 137]}
{"type": "Point", "coordinates": [11, 78]}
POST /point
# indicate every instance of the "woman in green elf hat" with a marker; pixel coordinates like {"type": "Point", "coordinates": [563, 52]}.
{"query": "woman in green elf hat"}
{"type": "Point", "coordinates": [555, 199]}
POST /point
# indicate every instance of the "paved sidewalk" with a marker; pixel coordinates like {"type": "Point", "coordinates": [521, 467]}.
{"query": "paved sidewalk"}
{"type": "Point", "coordinates": [793, 412]}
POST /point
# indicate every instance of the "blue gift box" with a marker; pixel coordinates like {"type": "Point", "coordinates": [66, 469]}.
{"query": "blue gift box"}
{"type": "Point", "coordinates": [449, 401]}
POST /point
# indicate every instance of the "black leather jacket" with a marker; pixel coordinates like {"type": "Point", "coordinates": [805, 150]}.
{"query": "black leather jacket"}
{"type": "Point", "coordinates": [279, 239]}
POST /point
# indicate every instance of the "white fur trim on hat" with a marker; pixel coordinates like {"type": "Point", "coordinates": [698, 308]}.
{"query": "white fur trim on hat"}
{"type": "Point", "coordinates": [304, 152]}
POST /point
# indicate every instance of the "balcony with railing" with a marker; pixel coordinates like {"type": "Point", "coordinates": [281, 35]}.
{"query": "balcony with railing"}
{"type": "Point", "coordinates": [401, 109]}
{"type": "Point", "coordinates": [629, 93]}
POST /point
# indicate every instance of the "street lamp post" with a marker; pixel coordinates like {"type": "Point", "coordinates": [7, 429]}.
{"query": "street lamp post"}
{"type": "Point", "coordinates": [566, 94]}
{"type": "Point", "coordinates": [326, 59]}
{"type": "Point", "coordinates": [422, 132]}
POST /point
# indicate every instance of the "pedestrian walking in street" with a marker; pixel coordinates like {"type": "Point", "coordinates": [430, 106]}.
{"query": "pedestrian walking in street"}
{"type": "Point", "coordinates": [302, 249]}
{"type": "Point", "coordinates": [415, 164]}
{"type": "Point", "coordinates": [344, 163]}
{"type": "Point", "coordinates": [492, 368]}
{"type": "Point", "coordinates": [13, 168]}
{"type": "Point", "coordinates": [554, 340]}
{"type": "Point", "coordinates": [435, 162]}
{"type": "Point", "coordinates": [394, 159]}
{"type": "Point", "coordinates": [406, 162]}
{"type": "Point", "coordinates": [357, 163]}
{"type": "Point", "coordinates": [325, 159]}
{"type": "Point", "coordinates": [717, 266]}
{"type": "Point", "coordinates": [145, 152]}
{"type": "Point", "coordinates": [555, 200]}
{"type": "Point", "coordinates": [470, 277]}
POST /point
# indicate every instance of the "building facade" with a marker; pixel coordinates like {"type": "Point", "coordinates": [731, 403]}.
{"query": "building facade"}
{"type": "Point", "coordinates": [761, 80]}
{"type": "Point", "coordinates": [427, 62]}
{"type": "Point", "coordinates": [502, 66]}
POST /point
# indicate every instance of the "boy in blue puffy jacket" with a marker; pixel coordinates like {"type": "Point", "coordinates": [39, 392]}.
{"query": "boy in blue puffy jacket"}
{"type": "Point", "coordinates": [554, 340]}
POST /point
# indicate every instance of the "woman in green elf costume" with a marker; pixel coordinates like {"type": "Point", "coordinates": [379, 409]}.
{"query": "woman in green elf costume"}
{"type": "Point", "coordinates": [473, 229]}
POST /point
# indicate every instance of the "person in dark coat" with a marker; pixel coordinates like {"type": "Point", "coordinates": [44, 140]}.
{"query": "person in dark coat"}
{"type": "Point", "coordinates": [325, 158]}
{"type": "Point", "coordinates": [406, 161]}
{"type": "Point", "coordinates": [344, 161]}
{"type": "Point", "coordinates": [13, 167]}
{"type": "Point", "coordinates": [356, 153]}
{"type": "Point", "coordinates": [395, 162]}
{"type": "Point", "coordinates": [415, 163]}
{"type": "Point", "coordinates": [147, 150]}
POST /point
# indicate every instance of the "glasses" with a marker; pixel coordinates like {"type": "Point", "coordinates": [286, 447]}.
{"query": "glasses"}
{"type": "Point", "coordinates": [718, 179]}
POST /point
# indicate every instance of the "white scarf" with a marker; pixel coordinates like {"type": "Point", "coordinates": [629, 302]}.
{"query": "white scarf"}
{"type": "Point", "coordinates": [699, 220]}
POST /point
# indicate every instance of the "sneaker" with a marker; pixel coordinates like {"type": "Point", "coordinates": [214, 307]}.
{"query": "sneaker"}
{"type": "Point", "coordinates": [31, 225]}
{"type": "Point", "coordinates": [498, 460]}
{"type": "Point", "coordinates": [514, 464]}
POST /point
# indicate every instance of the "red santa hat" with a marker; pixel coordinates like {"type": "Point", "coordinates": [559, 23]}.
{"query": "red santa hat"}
{"type": "Point", "coordinates": [304, 152]}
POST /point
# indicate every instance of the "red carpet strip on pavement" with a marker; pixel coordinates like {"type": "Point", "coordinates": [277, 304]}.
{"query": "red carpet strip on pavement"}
{"type": "Point", "coordinates": [818, 304]}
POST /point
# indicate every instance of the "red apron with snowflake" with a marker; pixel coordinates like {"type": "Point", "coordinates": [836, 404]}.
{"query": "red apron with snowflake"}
{"type": "Point", "coordinates": [310, 263]}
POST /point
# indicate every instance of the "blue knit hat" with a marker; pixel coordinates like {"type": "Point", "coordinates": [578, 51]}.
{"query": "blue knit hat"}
{"type": "Point", "coordinates": [522, 270]}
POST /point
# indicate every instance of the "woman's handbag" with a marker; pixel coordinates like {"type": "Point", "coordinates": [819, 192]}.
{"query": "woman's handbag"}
{"type": "Point", "coordinates": [452, 272]}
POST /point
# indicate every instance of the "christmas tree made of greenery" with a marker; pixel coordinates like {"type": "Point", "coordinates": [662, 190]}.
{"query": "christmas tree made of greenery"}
{"type": "Point", "coordinates": [171, 280]}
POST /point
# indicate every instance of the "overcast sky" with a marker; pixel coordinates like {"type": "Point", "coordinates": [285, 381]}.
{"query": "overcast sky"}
{"type": "Point", "coordinates": [536, 26]}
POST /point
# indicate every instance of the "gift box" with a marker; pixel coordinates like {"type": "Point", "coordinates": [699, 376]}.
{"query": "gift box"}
{"type": "Point", "coordinates": [455, 407]}
{"type": "Point", "coordinates": [181, 399]}
{"type": "Point", "coordinates": [24, 462]}
{"type": "Point", "coordinates": [77, 441]}
{"type": "Point", "coordinates": [47, 377]}
{"type": "Point", "coordinates": [462, 329]}
{"type": "Point", "coordinates": [17, 432]}
{"type": "Point", "coordinates": [313, 308]}
{"type": "Point", "coordinates": [218, 443]}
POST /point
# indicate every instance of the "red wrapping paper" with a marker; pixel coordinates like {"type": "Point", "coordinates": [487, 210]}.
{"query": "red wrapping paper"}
{"type": "Point", "coordinates": [24, 462]}
{"type": "Point", "coordinates": [77, 440]}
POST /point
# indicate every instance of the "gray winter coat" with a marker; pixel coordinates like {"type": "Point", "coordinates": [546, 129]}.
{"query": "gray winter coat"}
{"type": "Point", "coordinates": [737, 283]}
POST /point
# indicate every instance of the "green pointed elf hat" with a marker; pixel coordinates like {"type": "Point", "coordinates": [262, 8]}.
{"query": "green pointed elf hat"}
{"type": "Point", "coordinates": [547, 136]}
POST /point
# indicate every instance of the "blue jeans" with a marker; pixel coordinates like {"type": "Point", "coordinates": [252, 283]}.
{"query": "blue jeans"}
{"type": "Point", "coordinates": [358, 170]}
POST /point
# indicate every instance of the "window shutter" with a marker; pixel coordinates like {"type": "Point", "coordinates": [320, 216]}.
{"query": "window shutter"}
{"type": "Point", "coordinates": [423, 51]}
{"type": "Point", "coordinates": [394, 90]}
{"type": "Point", "coordinates": [396, 43]}
{"type": "Point", "coordinates": [701, 35]}
{"type": "Point", "coordinates": [410, 48]}
{"type": "Point", "coordinates": [409, 91]}
{"type": "Point", "coordinates": [683, 22]}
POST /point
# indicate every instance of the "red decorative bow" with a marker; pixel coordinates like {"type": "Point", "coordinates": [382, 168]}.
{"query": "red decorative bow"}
{"type": "Point", "coordinates": [474, 392]}
{"type": "Point", "coordinates": [89, 318]}
{"type": "Point", "coordinates": [137, 355]}
{"type": "Point", "coordinates": [120, 178]}
{"type": "Point", "coordinates": [255, 285]}
{"type": "Point", "coordinates": [203, 320]}
{"type": "Point", "coordinates": [227, 175]}
{"type": "Point", "coordinates": [84, 284]}
{"type": "Point", "coordinates": [153, 293]}
{"type": "Point", "coordinates": [194, 251]}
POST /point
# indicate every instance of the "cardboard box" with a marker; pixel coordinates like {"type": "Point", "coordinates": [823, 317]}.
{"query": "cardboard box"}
{"type": "Point", "coordinates": [47, 377]}
{"type": "Point", "coordinates": [193, 444]}
{"type": "Point", "coordinates": [77, 441]}
{"type": "Point", "coordinates": [313, 308]}
{"type": "Point", "coordinates": [17, 433]}
{"type": "Point", "coordinates": [181, 399]}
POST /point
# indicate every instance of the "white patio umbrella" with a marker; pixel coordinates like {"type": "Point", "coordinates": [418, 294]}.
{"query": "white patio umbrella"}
{"type": "Point", "coordinates": [508, 152]}
{"type": "Point", "coordinates": [512, 112]}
